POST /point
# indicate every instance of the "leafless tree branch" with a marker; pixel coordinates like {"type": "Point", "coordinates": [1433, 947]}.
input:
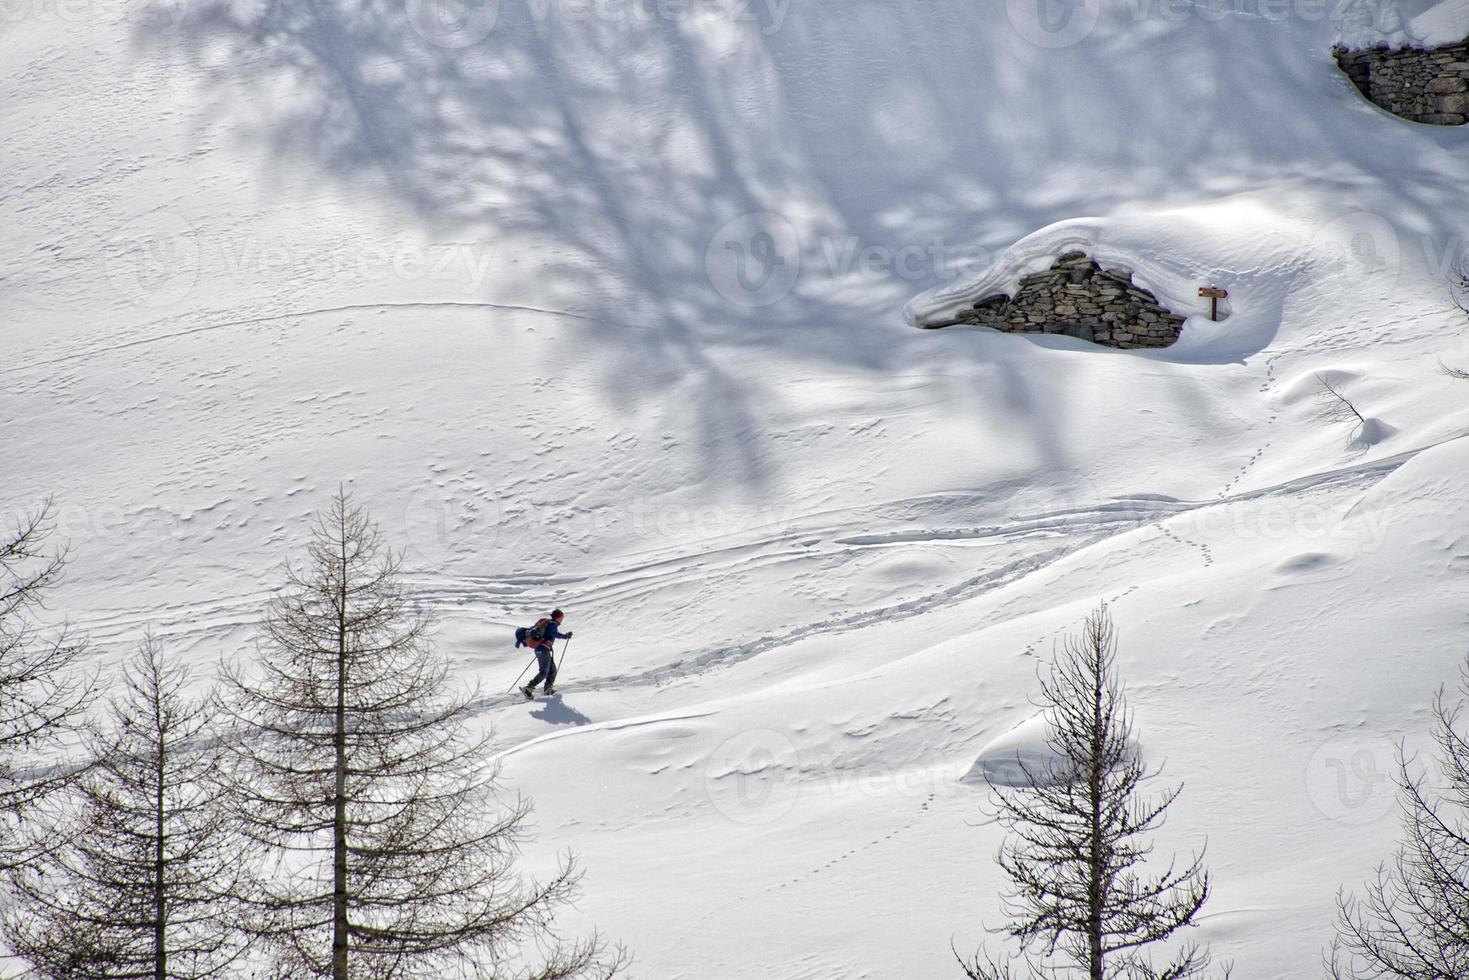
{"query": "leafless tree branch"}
{"type": "Point", "coordinates": [1412, 921]}
{"type": "Point", "coordinates": [1459, 374]}
{"type": "Point", "coordinates": [355, 766]}
{"type": "Point", "coordinates": [1083, 901]}
{"type": "Point", "coordinates": [1338, 406]}
{"type": "Point", "coordinates": [44, 693]}
{"type": "Point", "coordinates": [148, 882]}
{"type": "Point", "coordinates": [1459, 286]}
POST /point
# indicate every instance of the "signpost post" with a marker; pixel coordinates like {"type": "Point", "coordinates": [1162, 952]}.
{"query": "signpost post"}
{"type": "Point", "coordinates": [1214, 295]}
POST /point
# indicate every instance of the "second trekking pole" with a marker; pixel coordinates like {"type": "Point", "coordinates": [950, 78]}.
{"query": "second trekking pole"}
{"type": "Point", "coordinates": [564, 651]}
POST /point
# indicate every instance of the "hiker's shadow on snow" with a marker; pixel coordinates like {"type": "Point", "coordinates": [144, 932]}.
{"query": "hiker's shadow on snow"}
{"type": "Point", "coordinates": [555, 711]}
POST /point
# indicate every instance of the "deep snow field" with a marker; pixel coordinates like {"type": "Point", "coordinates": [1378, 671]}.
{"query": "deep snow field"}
{"type": "Point", "coordinates": [483, 265]}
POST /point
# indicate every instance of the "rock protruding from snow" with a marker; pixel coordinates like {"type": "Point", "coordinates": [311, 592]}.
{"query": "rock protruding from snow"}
{"type": "Point", "coordinates": [1076, 297]}
{"type": "Point", "coordinates": [1423, 85]}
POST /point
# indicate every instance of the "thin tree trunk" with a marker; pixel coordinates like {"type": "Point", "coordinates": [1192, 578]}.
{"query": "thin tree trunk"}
{"type": "Point", "coordinates": [339, 818]}
{"type": "Point", "coordinates": [1095, 884]}
{"type": "Point", "coordinates": [1083, 902]}
{"type": "Point", "coordinates": [357, 758]}
{"type": "Point", "coordinates": [160, 923]}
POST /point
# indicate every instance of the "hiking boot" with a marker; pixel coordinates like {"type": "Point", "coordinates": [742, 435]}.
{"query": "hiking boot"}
{"type": "Point", "coordinates": [529, 692]}
{"type": "Point", "coordinates": [550, 690]}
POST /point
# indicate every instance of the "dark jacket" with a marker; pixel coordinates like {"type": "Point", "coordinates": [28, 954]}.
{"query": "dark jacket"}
{"type": "Point", "coordinates": [551, 633]}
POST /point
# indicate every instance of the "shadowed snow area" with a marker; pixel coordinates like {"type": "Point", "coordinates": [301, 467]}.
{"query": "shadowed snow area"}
{"type": "Point", "coordinates": [613, 311]}
{"type": "Point", "coordinates": [1020, 757]}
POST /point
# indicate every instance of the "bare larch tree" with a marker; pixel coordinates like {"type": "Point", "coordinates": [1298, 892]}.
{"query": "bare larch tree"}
{"type": "Point", "coordinates": [146, 883]}
{"type": "Point", "coordinates": [1082, 902]}
{"type": "Point", "coordinates": [44, 693]}
{"type": "Point", "coordinates": [1412, 921]}
{"type": "Point", "coordinates": [1459, 286]}
{"type": "Point", "coordinates": [356, 768]}
{"type": "Point", "coordinates": [1449, 371]}
{"type": "Point", "coordinates": [1459, 289]}
{"type": "Point", "coordinates": [1337, 406]}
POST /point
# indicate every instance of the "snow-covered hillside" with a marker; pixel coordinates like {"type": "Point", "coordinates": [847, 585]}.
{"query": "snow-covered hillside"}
{"type": "Point", "coordinates": [603, 305]}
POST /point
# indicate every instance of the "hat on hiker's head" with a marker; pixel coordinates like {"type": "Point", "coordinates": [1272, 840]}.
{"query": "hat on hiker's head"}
{"type": "Point", "coordinates": [558, 614]}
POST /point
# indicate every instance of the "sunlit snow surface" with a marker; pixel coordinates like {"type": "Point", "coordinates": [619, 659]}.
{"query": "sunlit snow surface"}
{"type": "Point", "coordinates": [607, 311]}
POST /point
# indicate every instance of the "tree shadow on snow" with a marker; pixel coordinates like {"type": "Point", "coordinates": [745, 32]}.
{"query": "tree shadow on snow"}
{"type": "Point", "coordinates": [632, 143]}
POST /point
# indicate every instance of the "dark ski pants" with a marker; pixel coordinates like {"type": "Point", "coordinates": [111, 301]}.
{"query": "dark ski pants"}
{"type": "Point", "coordinates": [547, 661]}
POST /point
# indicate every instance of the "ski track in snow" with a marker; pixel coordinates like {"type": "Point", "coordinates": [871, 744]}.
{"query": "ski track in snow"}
{"type": "Point", "coordinates": [98, 350]}
{"type": "Point", "coordinates": [1061, 534]}
{"type": "Point", "coordinates": [1082, 528]}
{"type": "Point", "coordinates": [230, 237]}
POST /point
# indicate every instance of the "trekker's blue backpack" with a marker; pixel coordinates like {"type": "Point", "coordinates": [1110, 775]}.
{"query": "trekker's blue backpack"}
{"type": "Point", "coordinates": [529, 636]}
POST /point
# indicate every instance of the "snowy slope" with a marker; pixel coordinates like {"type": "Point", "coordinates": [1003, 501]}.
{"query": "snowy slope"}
{"type": "Point", "coordinates": [486, 271]}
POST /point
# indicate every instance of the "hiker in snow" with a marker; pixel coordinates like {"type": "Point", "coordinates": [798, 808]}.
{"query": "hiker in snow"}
{"type": "Point", "coordinates": [541, 636]}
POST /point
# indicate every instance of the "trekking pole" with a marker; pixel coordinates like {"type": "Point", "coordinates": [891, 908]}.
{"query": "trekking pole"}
{"type": "Point", "coordinates": [522, 674]}
{"type": "Point", "coordinates": [564, 651]}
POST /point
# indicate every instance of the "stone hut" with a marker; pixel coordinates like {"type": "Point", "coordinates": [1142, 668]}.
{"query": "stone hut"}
{"type": "Point", "coordinates": [1425, 85]}
{"type": "Point", "coordinates": [1078, 298]}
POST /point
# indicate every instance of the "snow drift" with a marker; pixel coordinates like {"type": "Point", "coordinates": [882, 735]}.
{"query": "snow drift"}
{"type": "Point", "coordinates": [606, 310]}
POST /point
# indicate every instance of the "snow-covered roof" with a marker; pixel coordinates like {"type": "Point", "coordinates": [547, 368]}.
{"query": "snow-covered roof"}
{"type": "Point", "coordinates": [1445, 23]}
{"type": "Point", "coordinates": [1368, 24]}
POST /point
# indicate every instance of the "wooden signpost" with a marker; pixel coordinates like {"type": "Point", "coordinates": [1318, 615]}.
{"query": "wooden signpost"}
{"type": "Point", "coordinates": [1214, 295]}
